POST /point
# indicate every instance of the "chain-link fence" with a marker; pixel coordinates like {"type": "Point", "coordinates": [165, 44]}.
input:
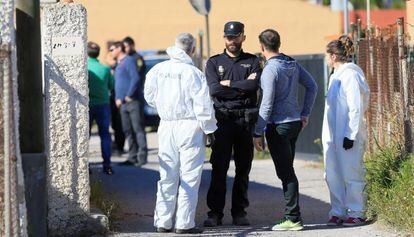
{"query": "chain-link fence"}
{"type": "Point", "coordinates": [384, 56]}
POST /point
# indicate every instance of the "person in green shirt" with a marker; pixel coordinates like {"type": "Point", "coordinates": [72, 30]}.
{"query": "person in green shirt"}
{"type": "Point", "coordinates": [100, 82]}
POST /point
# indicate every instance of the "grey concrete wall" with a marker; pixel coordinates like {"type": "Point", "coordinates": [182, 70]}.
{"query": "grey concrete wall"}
{"type": "Point", "coordinates": [66, 90]}
{"type": "Point", "coordinates": [316, 66]}
{"type": "Point", "coordinates": [31, 121]}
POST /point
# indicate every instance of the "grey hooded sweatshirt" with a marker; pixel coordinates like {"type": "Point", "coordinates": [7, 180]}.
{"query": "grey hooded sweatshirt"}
{"type": "Point", "coordinates": [279, 82]}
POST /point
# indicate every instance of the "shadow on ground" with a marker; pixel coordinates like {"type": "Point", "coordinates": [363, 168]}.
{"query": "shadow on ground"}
{"type": "Point", "coordinates": [135, 190]}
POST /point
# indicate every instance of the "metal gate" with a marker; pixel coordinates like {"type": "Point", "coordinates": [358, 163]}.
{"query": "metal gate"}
{"type": "Point", "coordinates": [12, 204]}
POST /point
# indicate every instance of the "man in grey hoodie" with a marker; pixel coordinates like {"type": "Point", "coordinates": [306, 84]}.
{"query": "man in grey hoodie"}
{"type": "Point", "coordinates": [283, 119]}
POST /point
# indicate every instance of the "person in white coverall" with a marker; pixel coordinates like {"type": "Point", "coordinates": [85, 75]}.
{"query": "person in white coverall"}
{"type": "Point", "coordinates": [179, 92]}
{"type": "Point", "coordinates": [344, 136]}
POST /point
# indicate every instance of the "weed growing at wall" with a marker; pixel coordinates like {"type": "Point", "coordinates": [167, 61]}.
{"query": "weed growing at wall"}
{"type": "Point", "coordinates": [390, 187]}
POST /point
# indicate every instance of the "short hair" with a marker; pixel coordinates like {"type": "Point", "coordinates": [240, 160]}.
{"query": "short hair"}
{"type": "Point", "coordinates": [93, 49]}
{"type": "Point", "coordinates": [119, 44]}
{"type": "Point", "coordinates": [270, 39]}
{"type": "Point", "coordinates": [186, 42]}
{"type": "Point", "coordinates": [128, 40]}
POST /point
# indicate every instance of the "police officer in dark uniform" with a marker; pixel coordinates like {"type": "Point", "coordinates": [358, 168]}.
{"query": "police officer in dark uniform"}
{"type": "Point", "coordinates": [129, 44]}
{"type": "Point", "coordinates": [233, 80]}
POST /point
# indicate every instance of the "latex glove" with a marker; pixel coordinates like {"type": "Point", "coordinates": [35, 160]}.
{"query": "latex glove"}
{"type": "Point", "coordinates": [348, 144]}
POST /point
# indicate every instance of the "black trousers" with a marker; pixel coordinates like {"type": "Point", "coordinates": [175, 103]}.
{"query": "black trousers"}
{"type": "Point", "coordinates": [281, 140]}
{"type": "Point", "coordinates": [231, 136]}
{"type": "Point", "coordinates": [132, 116]}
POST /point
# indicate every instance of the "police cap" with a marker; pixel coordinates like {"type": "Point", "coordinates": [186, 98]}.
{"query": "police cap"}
{"type": "Point", "coordinates": [233, 28]}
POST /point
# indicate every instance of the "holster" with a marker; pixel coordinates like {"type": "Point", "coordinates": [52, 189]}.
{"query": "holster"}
{"type": "Point", "coordinates": [229, 114]}
{"type": "Point", "coordinates": [251, 115]}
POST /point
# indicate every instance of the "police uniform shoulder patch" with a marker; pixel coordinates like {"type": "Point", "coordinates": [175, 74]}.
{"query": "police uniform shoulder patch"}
{"type": "Point", "coordinates": [140, 62]}
{"type": "Point", "coordinates": [221, 70]}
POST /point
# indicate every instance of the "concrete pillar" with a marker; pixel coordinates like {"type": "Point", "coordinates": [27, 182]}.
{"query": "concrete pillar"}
{"type": "Point", "coordinates": [67, 121]}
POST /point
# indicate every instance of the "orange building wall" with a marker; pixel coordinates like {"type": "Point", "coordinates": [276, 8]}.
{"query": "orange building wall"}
{"type": "Point", "coordinates": [410, 19]}
{"type": "Point", "coordinates": [155, 23]}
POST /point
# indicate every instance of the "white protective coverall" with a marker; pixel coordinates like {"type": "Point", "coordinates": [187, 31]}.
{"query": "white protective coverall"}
{"type": "Point", "coordinates": [179, 92]}
{"type": "Point", "coordinates": [346, 102]}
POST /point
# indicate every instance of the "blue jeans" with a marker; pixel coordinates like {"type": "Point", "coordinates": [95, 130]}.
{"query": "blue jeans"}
{"type": "Point", "coordinates": [102, 115]}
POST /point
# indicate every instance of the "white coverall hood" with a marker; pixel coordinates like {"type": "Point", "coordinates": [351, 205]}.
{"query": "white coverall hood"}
{"type": "Point", "coordinates": [177, 54]}
{"type": "Point", "coordinates": [346, 102]}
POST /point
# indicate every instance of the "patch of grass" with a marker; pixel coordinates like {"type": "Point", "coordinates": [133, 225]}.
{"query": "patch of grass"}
{"type": "Point", "coordinates": [208, 153]}
{"type": "Point", "coordinates": [262, 155]}
{"type": "Point", "coordinates": [390, 187]}
{"type": "Point", "coordinates": [318, 142]}
{"type": "Point", "coordinates": [107, 205]}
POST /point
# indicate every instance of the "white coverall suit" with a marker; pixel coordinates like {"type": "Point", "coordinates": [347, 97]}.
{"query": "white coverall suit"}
{"type": "Point", "coordinates": [179, 92]}
{"type": "Point", "coordinates": [346, 101]}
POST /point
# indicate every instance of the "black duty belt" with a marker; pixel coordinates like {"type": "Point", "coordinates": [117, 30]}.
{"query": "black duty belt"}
{"type": "Point", "coordinates": [231, 112]}
{"type": "Point", "coordinates": [249, 115]}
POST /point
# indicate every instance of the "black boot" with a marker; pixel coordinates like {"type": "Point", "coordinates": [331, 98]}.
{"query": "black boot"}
{"type": "Point", "coordinates": [162, 230]}
{"type": "Point", "coordinates": [212, 221]}
{"type": "Point", "coordinates": [193, 230]}
{"type": "Point", "coordinates": [108, 170]}
{"type": "Point", "coordinates": [240, 220]}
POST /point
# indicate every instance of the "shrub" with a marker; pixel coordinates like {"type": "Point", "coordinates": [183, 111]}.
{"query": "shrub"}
{"type": "Point", "coordinates": [390, 187]}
